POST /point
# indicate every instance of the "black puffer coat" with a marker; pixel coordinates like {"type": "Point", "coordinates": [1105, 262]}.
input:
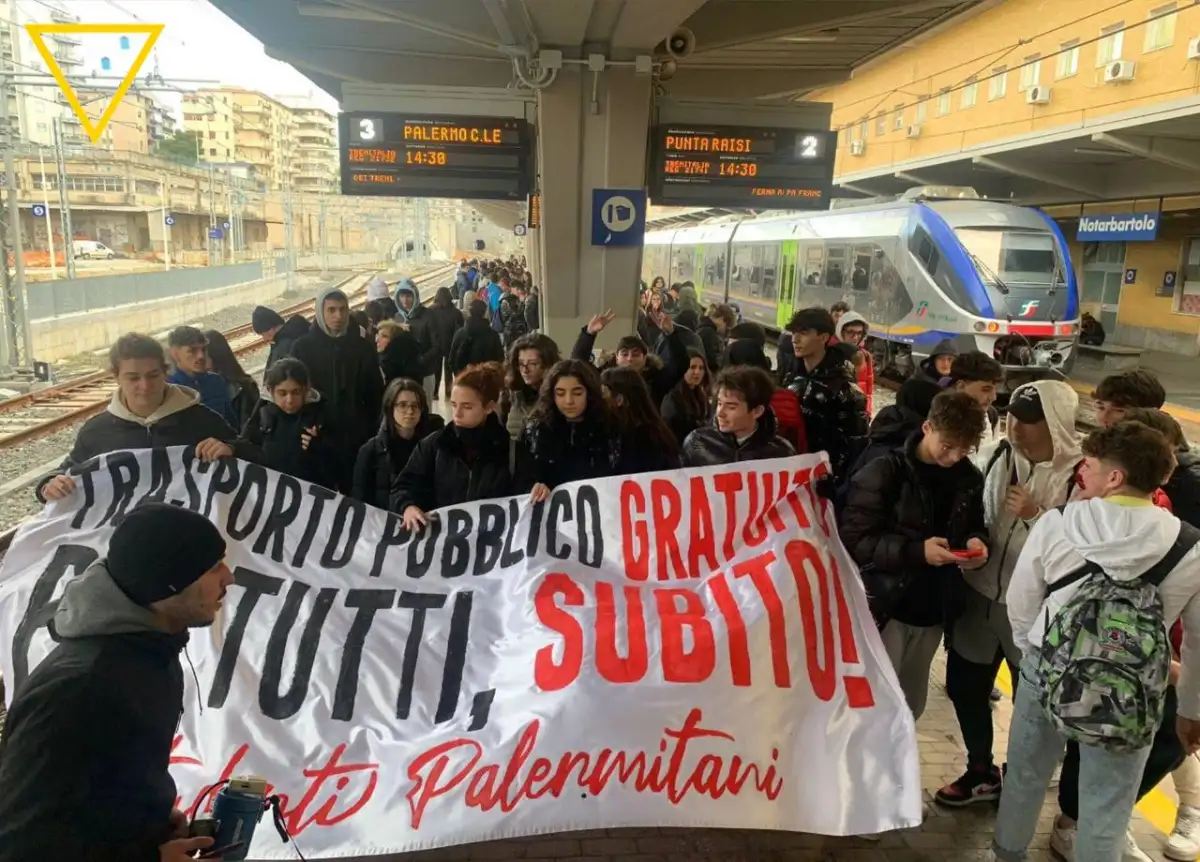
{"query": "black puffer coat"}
{"type": "Point", "coordinates": [402, 358]}
{"type": "Point", "coordinates": [888, 515]}
{"type": "Point", "coordinates": [1184, 488]}
{"type": "Point", "coordinates": [476, 342]}
{"type": "Point", "coordinates": [443, 323]}
{"type": "Point", "coordinates": [346, 372]}
{"type": "Point", "coordinates": [714, 344]}
{"type": "Point", "coordinates": [278, 435]}
{"type": "Point", "coordinates": [709, 447]}
{"type": "Point", "coordinates": [381, 459]}
{"type": "Point", "coordinates": [562, 451]}
{"type": "Point", "coordinates": [892, 426]}
{"type": "Point", "coordinates": [286, 338]}
{"type": "Point", "coordinates": [243, 398]}
{"type": "Point", "coordinates": [442, 472]}
{"type": "Point", "coordinates": [834, 408]}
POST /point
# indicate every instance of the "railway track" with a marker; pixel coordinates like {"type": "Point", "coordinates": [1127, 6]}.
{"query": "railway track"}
{"type": "Point", "coordinates": [38, 414]}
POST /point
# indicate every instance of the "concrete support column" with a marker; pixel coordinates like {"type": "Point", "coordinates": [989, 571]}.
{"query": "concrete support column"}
{"type": "Point", "coordinates": [584, 146]}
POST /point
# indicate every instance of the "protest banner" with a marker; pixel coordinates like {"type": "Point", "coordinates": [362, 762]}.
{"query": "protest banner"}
{"type": "Point", "coordinates": [679, 649]}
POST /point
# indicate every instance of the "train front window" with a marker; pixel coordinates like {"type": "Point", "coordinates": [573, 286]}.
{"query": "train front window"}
{"type": "Point", "coordinates": [1012, 257]}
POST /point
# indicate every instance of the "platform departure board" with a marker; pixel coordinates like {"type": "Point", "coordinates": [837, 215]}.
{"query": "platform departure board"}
{"type": "Point", "coordinates": [425, 156]}
{"type": "Point", "coordinates": [741, 166]}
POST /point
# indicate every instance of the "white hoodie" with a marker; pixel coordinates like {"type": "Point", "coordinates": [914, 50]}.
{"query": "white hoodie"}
{"type": "Point", "coordinates": [1125, 537]}
{"type": "Point", "coordinates": [1046, 482]}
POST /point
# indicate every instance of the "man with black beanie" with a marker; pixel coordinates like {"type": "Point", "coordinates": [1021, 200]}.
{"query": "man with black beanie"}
{"type": "Point", "coordinates": [281, 335]}
{"type": "Point", "coordinates": [84, 759]}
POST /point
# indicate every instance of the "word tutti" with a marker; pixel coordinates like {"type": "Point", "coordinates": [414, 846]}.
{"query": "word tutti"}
{"type": "Point", "coordinates": [455, 768]}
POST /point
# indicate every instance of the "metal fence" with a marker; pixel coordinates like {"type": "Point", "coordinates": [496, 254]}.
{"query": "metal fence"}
{"type": "Point", "coordinates": [51, 299]}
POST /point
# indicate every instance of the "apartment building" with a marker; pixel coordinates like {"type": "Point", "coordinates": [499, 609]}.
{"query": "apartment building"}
{"type": "Point", "coordinates": [314, 145]}
{"type": "Point", "coordinates": [33, 107]}
{"type": "Point", "coordinates": [128, 128]}
{"type": "Point", "coordinates": [1081, 109]}
{"type": "Point", "coordinates": [245, 126]}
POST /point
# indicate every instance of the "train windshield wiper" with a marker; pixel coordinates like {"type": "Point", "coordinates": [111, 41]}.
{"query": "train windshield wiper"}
{"type": "Point", "coordinates": [988, 273]}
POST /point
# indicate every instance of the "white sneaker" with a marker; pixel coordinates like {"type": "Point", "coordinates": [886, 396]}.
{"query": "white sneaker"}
{"type": "Point", "coordinates": [1062, 841]}
{"type": "Point", "coordinates": [1184, 843]}
{"type": "Point", "coordinates": [1132, 852]}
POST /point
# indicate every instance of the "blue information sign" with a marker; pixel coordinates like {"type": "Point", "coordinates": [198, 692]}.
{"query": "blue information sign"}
{"type": "Point", "coordinates": [1121, 227]}
{"type": "Point", "coordinates": [215, 233]}
{"type": "Point", "coordinates": [170, 220]}
{"type": "Point", "coordinates": [39, 211]}
{"type": "Point", "coordinates": [618, 217]}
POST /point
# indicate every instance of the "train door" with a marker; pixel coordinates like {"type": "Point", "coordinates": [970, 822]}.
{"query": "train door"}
{"type": "Point", "coordinates": [1103, 276]}
{"type": "Point", "coordinates": [788, 259]}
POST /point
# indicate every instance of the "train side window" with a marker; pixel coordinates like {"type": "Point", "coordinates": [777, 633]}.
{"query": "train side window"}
{"type": "Point", "coordinates": [835, 268]}
{"type": "Point", "coordinates": [922, 246]}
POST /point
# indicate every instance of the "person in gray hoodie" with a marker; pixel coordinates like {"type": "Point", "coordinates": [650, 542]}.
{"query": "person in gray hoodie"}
{"type": "Point", "coordinates": [344, 368]}
{"type": "Point", "coordinates": [422, 328]}
{"type": "Point", "coordinates": [1025, 475]}
{"type": "Point", "coordinates": [85, 755]}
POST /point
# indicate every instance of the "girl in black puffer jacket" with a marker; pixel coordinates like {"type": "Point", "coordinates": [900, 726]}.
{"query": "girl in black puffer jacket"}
{"type": "Point", "coordinates": [572, 435]}
{"type": "Point", "coordinates": [465, 461]}
{"type": "Point", "coordinates": [290, 426]}
{"type": "Point", "coordinates": [406, 422]}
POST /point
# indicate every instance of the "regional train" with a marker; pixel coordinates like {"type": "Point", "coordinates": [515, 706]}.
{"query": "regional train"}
{"type": "Point", "coordinates": [933, 264]}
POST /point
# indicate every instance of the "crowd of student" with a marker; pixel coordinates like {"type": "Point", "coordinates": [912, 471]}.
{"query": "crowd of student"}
{"type": "Point", "coordinates": [959, 525]}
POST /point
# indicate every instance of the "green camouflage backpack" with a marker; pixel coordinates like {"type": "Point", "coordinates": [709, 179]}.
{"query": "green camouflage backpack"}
{"type": "Point", "coordinates": [1105, 656]}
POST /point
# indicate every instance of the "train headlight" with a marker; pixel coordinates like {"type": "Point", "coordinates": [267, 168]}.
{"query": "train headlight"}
{"type": "Point", "coordinates": [993, 327]}
{"type": "Point", "coordinates": [979, 326]}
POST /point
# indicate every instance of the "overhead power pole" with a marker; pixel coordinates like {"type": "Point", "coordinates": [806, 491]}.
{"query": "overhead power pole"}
{"type": "Point", "coordinates": [16, 343]}
{"type": "Point", "coordinates": [64, 202]}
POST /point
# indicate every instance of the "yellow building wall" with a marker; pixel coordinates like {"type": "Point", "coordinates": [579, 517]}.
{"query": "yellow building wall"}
{"type": "Point", "coordinates": [979, 44]}
{"type": "Point", "coordinates": [1139, 306]}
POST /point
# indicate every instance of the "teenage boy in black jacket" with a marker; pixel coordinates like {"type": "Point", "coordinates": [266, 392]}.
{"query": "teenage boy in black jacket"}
{"type": "Point", "coordinates": [910, 518]}
{"type": "Point", "coordinates": [84, 760]}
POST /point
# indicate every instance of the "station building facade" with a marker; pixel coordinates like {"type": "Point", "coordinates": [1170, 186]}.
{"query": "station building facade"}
{"type": "Point", "coordinates": [1086, 111]}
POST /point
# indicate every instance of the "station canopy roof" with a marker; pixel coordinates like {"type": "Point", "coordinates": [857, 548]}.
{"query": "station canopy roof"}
{"type": "Point", "coordinates": [745, 49]}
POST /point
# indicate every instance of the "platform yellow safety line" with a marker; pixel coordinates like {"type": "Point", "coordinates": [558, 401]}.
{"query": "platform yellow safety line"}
{"type": "Point", "coordinates": [1156, 806]}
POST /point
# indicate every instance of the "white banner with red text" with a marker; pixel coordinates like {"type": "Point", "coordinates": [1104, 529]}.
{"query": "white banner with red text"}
{"type": "Point", "coordinates": [677, 649]}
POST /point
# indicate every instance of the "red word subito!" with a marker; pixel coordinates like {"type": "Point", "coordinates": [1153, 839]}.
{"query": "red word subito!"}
{"type": "Point", "coordinates": [681, 610]}
{"type": "Point", "coordinates": [333, 792]}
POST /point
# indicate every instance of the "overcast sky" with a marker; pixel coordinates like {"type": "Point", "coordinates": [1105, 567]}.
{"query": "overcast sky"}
{"type": "Point", "coordinates": [198, 44]}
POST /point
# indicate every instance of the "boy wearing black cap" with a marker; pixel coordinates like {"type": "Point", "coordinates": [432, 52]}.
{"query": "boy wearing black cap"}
{"type": "Point", "coordinates": [84, 758]}
{"type": "Point", "coordinates": [1030, 472]}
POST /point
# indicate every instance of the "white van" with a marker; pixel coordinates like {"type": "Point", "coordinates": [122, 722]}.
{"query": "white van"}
{"type": "Point", "coordinates": [91, 249]}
